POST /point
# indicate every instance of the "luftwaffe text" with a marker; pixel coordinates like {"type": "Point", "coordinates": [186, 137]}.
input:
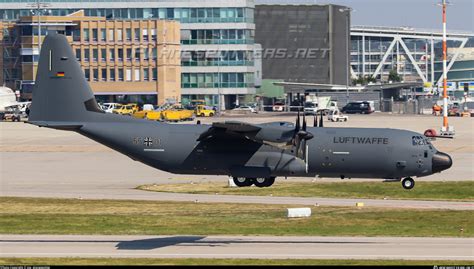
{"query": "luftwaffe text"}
{"type": "Point", "coordinates": [359, 140]}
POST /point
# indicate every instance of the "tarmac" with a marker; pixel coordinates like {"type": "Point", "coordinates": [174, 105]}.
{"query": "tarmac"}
{"type": "Point", "coordinates": [41, 162]}
{"type": "Point", "coordinates": [243, 247]}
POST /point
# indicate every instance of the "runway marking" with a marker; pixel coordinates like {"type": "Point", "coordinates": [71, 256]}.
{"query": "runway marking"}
{"type": "Point", "coordinates": [156, 150]}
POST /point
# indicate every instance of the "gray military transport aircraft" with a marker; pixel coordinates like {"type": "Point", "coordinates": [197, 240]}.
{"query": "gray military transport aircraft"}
{"type": "Point", "coordinates": [250, 153]}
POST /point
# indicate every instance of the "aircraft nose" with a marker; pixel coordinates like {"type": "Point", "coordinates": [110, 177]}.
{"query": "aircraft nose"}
{"type": "Point", "coordinates": [441, 161]}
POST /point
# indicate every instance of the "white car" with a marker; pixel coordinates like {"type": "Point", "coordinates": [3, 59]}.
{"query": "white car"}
{"type": "Point", "coordinates": [278, 106]}
{"type": "Point", "coordinates": [108, 107]}
{"type": "Point", "coordinates": [336, 115]}
{"type": "Point", "coordinates": [245, 108]}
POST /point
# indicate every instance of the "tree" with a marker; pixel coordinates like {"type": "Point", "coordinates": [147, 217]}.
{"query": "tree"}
{"type": "Point", "coordinates": [371, 79]}
{"type": "Point", "coordinates": [394, 76]}
{"type": "Point", "coordinates": [363, 80]}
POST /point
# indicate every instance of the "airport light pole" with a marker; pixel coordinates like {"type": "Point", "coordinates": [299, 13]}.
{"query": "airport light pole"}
{"type": "Point", "coordinates": [445, 129]}
{"type": "Point", "coordinates": [219, 103]}
{"type": "Point", "coordinates": [347, 10]}
{"type": "Point", "coordinates": [38, 9]}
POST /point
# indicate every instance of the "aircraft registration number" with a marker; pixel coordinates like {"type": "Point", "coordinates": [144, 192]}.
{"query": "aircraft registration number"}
{"type": "Point", "coordinates": [147, 141]}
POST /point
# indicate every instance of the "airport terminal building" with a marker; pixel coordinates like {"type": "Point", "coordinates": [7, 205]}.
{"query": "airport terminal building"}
{"type": "Point", "coordinates": [415, 54]}
{"type": "Point", "coordinates": [226, 29]}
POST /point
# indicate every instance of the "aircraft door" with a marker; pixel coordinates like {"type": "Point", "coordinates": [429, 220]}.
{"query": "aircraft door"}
{"type": "Point", "coordinates": [320, 158]}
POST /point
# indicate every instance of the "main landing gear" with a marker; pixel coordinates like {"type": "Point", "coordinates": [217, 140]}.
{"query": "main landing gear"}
{"type": "Point", "coordinates": [408, 183]}
{"type": "Point", "coordinates": [259, 181]}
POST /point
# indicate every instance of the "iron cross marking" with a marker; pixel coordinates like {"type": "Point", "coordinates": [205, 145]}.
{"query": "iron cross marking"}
{"type": "Point", "coordinates": [147, 141]}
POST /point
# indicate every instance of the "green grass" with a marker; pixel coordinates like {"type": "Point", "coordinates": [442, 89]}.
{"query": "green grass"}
{"type": "Point", "coordinates": [135, 261]}
{"type": "Point", "coordinates": [457, 190]}
{"type": "Point", "coordinates": [73, 216]}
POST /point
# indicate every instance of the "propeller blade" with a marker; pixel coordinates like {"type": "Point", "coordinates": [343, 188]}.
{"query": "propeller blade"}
{"type": "Point", "coordinates": [321, 120]}
{"type": "Point", "coordinates": [297, 144]}
{"type": "Point", "coordinates": [297, 126]}
{"type": "Point", "coordinates": [304, 122]}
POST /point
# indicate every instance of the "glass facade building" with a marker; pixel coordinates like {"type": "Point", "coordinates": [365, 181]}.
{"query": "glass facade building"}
{"type": "Point", "coordinates": [304, 43]}
{"type": "Point", "coordinates": [415, 54]}
{"type": "Point", "coordinates": [213, 25]}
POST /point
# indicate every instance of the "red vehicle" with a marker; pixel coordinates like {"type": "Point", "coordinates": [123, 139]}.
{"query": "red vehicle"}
{"type": "Point", "coordinates": [453, 111]}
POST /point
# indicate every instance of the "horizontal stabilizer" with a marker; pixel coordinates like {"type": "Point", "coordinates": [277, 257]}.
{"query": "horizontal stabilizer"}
{"type": "Point", "coordinates": [62, 125]}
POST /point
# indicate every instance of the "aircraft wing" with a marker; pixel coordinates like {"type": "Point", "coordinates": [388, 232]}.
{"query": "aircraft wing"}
{"type": "Point", "coordinates": [261, 133]}
{"type": "Point", "coordinates": [229, 128]}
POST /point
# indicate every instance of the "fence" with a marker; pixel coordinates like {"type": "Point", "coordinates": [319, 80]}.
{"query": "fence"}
{"type": "Point", "coordinates": [421, 105]}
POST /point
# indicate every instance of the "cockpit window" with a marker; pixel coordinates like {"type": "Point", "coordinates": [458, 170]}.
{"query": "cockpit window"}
{"type": "Point", "coordinates": [420, 140]}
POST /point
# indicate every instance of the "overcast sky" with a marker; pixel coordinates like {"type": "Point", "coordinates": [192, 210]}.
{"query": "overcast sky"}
{"type": "Point", "coordinates": [414, 13]}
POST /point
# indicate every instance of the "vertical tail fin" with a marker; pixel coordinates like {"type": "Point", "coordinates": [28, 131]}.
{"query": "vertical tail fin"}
{"type": "Point", "coordinates": [61, 93]}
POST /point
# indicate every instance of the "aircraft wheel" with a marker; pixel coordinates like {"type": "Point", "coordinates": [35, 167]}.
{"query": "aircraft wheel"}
{"type": "Point", "coordinates": [408, 183]}
{"type": "Point", "coordinates": [260, 182]}
{"type": "Point", "coordinates": [243, 181]}
{"type": "Point", "coordinates": [264, 182]}
{"type": "Point", "coordinates": [270, 181]}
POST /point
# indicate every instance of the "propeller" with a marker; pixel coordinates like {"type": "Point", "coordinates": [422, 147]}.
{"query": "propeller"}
{"type": "Point", "coordinates": [297, 125]}
{"type": "Point", "coordinates": [321, 120]}
{"type": "Point", "coordinates": [315, 120]}
{"type": "Point", "coordinates": [304, 122]}
{"type": "Point", "coordinates": [300, 136]}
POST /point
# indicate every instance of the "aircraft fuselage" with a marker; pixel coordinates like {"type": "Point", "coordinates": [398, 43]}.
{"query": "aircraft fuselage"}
{"type": "Point", "coordinates": [333, 152]}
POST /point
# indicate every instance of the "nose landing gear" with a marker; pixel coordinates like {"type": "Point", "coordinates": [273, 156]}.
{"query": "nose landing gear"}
{"type": "Point", "coordinates": [408, 183]}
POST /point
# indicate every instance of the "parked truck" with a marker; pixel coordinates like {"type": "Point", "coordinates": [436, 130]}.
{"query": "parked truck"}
{"type": "Point", "coordinates": [315, 104]}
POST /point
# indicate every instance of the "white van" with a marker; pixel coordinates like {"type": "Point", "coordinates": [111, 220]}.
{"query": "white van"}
{"type": "Point", "coordinates": [108, 107]}
{"type": "Point", "coordinates": [148, 107]}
